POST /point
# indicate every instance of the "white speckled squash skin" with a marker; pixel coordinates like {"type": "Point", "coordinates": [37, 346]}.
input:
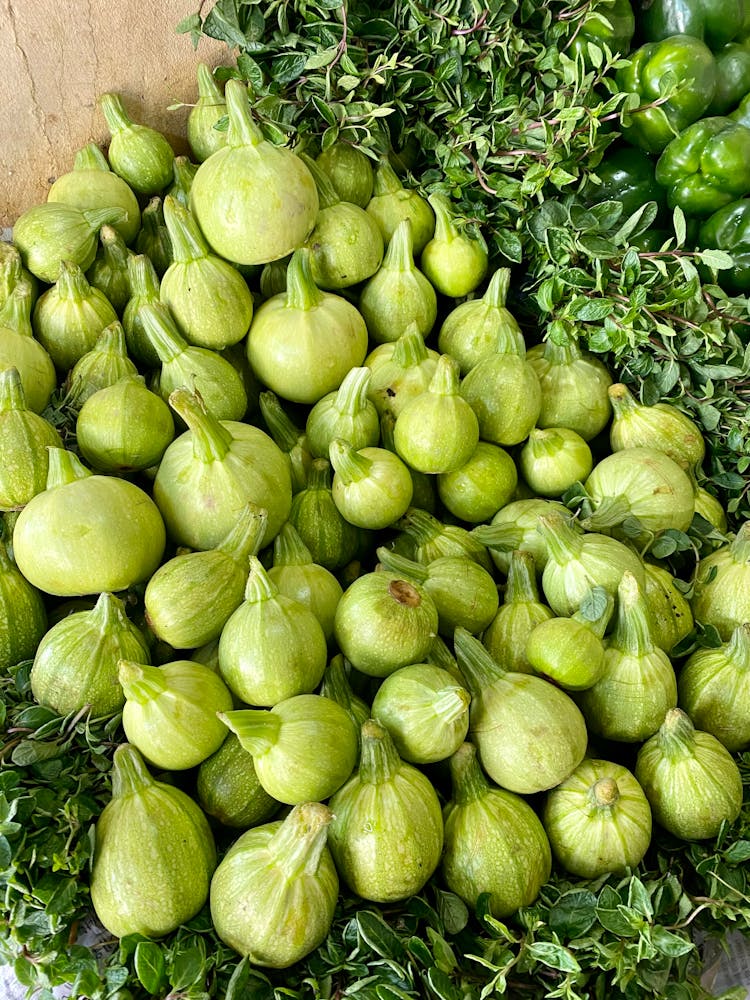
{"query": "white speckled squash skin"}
{"type": "Point", "coordinates": [386, 836]}
{"type": "Point", "coordinates": [243, 190]}
{"type": "Point", "coordinates": [75, 664]}
{"type": "Point", "coordinates": [598, 820]}
{"type": "Point", "coordinates": [88, 536]}
{"type": "Point", "coordinates": [274, 894]}
{"type": "Point", "coordinates": [154, 854]}
{"type": "Point", "coordinates": [494, 841]}
{"type": "Point", "coordinates": [690, 779]}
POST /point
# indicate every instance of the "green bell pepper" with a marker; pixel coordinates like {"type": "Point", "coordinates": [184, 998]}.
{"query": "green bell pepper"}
{"type": "Point", "coordinates": [714, 22]}
{"type": "Point", "coordinates": [732, 77]}
{"type": "Point", "coordinates": [729, 229]}
{"type": "Point", "coordinates": [706, 166]}
{"type": "Point", "coordinates": [627, 175]}
{"type": "Point", "coordinates": [682, 60]}
{"type": "Point", "coordinates": [616, 34]}
{"type": "Point", "coordinates": [741, 113]}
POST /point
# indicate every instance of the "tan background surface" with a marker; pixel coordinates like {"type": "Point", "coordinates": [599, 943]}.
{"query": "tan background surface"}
{"type": "Point", "coordinates": [57, 56]}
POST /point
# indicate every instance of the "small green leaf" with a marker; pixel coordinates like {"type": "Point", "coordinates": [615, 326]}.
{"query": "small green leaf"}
{"type": "Point", "coordinates": [247, 983]}
{"type": "Point", "coordinates": [614, 916]}
{"type": "Point", "coordinates": [149, 965]}
{"type": "Point", "coordinates": [639, 898]}
{"type": "Point", "coordinates": [664, 546]}
{"type": "Point", "coordinates": [592, 607]}
{"type": "Point", "coordinates": [33, 751]}
{"type": "Point", "coordinates": [419, 950]}
{"type": "Point", "coordinates": [6, 854]}
{"type": "Point", "coordinates": [738, 852]}
{"type": "Point", "coordinates": [323, 57]}
{"type": "Point", "coordinates": [719, 259]}
{"type": "Point", "coordinates": [288, 68]}
{"type": "Point", "coordinates": [62, 898]}
{"type": "Point", "coordinates": [188, 968]}
{"type": "Point", "coordinates": [591, 310]}
{"type": "Point", "coordinates": [251, 72]}
{"type": "Point", "coordinates": [378, 935]}
{"type": "Point", "coordinates": [348, 82]}
{"type": "Point", "coordinates": [680, 226]}
{"type": "Point", "coordinates": [445, 958]}
{"type": "Point", "coordinates": [441, 985]}
{"type": "Point", "coordinates": [554, 956]}
{"type": "Point", "coordinates": [453, 911]}
{"type": "Point", "coordinates": [729, 480]}
{"type": "Point", "coordinates": [574, 913]}
{"type": "Point", "coordinates": [669, 944]}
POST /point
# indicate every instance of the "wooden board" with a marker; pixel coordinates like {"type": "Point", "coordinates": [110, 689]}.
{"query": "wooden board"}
{"type": "Point", "coordinates": [59, 56]}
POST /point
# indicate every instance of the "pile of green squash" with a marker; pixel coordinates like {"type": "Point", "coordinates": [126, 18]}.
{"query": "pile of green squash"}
{"type": "Point", "coordinates": [372, 585]}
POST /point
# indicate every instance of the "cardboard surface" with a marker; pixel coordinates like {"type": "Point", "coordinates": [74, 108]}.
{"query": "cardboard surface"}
{"type": "Point", "coordinates": [58, 56]}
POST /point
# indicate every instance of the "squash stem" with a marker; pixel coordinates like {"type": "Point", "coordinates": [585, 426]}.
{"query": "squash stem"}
{"type": "Point", "coordinates": [497, 289]}
{"type": "Point", "coordinates": [188, 243]}
{"type": "Point", "coordinates": [632, 631]}
{"type": "Point", "coordinates": [90, 157]}
{"type": "Point", "coordinates": [15, 314]}
{"type": "Point", "coordinates": [521, 586]}
{"type": "Point", "coordinates": [394, 562]}
{"type": "Point", "coordinates": [351, 396]}
{"type": "Point", "coordinates": [738, 647]}
{"type": "Point", "coordinates": [245, 537]}
{"type": "Point", "coordinates": [256, 728]}
{"type": "Point", "coordinates": [208, 89]}
{"type": "Point", "coordinates": [64, 467]}
{"type": "Point", "coordinates": [242, 130]}
{"type": "Point", "coordinates": [445, 228]}
{"type": "Point", "coordinates": [468, 783]}
{"type": "Point", "coordinates": [604, 794]}
{"type": "Point", "coordinates": [211, 439]}
{"type": "Point", "coordinates": [379, 761]}
{"type": "Point", "coordinates": [298, 844]}
{"type": "Point", "coordinates": [386, 180]}
{"type": "Point", "coordinates": [140, 682]}
{"type": "Point", "coordinates": [289, 549]}
{"type": "Point", "coordinates": [259, 586]}
{"type": "Point", "coordinates": [446, 379]}
{"type": "Point", "coordinates": [114, 112]}
{"type": "Point", "coordinates": [450, 704]}
{"type": "Point", "coordinates": [348, 463]}
{"type": "Point", "coordinates": [12, 396]}
{"type": "Point", "coordinates": [676, 735]}
{"type": "Point", "coordinates": [327, 194]}
{"type": "Point", "coordinates": [399, 255]}
{"type": "Point", "coordinates": [410, 350]}
{"type": "Point", "coordinates": [301, 291]}
{"type": "Point", "coordinates": [740, 545]}
{"type": "Point", "coordinates": [476, 665]}
{"type": "Point", "coordinates": [130, 776]}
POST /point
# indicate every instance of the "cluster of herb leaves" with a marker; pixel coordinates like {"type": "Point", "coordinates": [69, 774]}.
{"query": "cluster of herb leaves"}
{"type": "Point", "coordinates": [480, 101]}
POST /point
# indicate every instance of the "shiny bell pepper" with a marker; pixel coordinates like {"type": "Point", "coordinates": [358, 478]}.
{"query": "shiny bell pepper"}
{"type": "Point", "coordinates": [683, 61]}
{"type": "Point", "coordinates": [627, 175]}
{"type": "Point", "coordinates": [707, 166]}
{"type": "Point", "coordinates": [732, 77]}
{"type": "Point", "coordinates": [729, 229]}
{"type": "Point", "coordinates": [741, 113]}
{"type": "Point", "coordinates": [616, 34]}
{"type": "Point", "coordinates": [714, 22]}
